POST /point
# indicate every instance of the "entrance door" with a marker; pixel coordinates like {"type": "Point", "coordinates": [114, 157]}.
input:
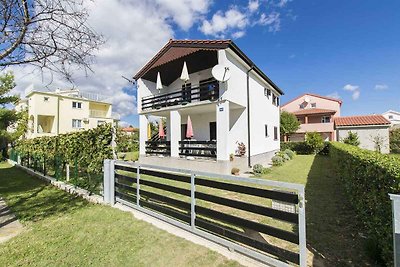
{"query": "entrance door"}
{"type": "Point", "coordinates": [183, 131]}
{"type": "Point", "coordinates": [213, 130]}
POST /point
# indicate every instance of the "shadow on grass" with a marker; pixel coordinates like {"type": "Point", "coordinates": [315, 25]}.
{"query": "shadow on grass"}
{"type": "Point", "coordinates": [31, 199]}
{"type": "Point", "coordinates": [333, 233]}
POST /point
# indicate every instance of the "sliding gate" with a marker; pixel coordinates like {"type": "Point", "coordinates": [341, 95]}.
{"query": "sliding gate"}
{"type": "Point", "coordinates": [260, 218]}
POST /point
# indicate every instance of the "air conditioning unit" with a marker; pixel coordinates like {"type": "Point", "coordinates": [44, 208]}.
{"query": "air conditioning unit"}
{"type": "Point", "coordinates": [85, 120]}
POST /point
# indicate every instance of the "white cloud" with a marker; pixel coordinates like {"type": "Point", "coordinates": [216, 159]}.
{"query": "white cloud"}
{"type": "Point", "coordinates": [355, 89]}
{"type": "Point", "coordinates": [238, 34]}
{"type": "Point", "coordinates": [222, 22]}
{"type": "Point", "coordinates": [282, 3]}
{"type": "Point", "coordinates": [272, 20]}
{"type": "Point", "coordinates": [253, 5]}
{"type": "Point", "coordinates": [381, 87]}
{"type": "Point", "coordinates": [334, 95]}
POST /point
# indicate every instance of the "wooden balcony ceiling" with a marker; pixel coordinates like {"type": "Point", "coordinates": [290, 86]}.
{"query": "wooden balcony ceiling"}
{"type": "Point", "coordinates": [313, 111]}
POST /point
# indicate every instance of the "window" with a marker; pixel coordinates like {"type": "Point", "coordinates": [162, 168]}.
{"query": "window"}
{"type": "Point", "coordinates": [275, 133]}
{"type": "Point", "coordinates": [100, 123]}
{"type": "Point", "coordinates": [267, 92]}
{"type": "Point", "coordinates": [76, 104]}
{"type": "Point", "coordinates": [313, 105]}
{"type": "Point", "coordinates": [326, 119]}
{"type": "Point", "coordinates": [266, 130]}
{"type": "Point", "coordinates": [76, 123]}
{"type": "Point", "coordinates": [275, 100]}
{"type": "Point", "coordinates": [302, 106]}
{"type": "Point", "coordinates": [46, 99]}
{"type": "Point", "coordinates": [390, 117]}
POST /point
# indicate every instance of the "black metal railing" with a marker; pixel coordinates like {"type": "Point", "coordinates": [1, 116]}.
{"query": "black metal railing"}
{"type": "Point", "coordinates": [158, 148]}
{"type": "Point", "coordinates": [206, 91]}
{"type": "Point", "coordinates": [198, 148]}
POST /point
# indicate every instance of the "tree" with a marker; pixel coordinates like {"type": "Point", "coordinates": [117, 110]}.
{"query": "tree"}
{"type": "Point", "coordinates": [394, 139]}
{"type": "Point", "coordinates": [7, 116]}
{"type": "Point", "coordinates": [289, 124]}
{"type": "Point", "coordinates": [314, 141]}
{"type": "Point", "coordinates": [352, 139]}
{"type": "Point", "coordinates": [49, 34]}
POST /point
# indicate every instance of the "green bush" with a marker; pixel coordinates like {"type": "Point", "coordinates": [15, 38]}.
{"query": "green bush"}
{"type": "Point", "coordinates": [394, 139]}
{"type": "Point", "coordinates": [85, 151]}
{"type": "Point", "coordinates": [277, 160]}
{"type": "Point", "coordinates": [314, 141]}
{"type": "Point", "coordinates": [352, 139]}
{"type": "Point", "coordinates": [289, 153]}
{"type": "Point", "coordinates": [368, 177]}
{"type": "Point", "coordinates": [258, 168]}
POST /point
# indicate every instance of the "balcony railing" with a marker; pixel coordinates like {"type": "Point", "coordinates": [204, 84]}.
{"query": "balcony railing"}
{"type": "Point", "coordinates": [158, 148]}
{"type": "Point", "coordinates": [206, 91]}
{"type": "Point", "coordinates": [192, 148]}
{"type": "Point", "coordinates": [94, 113]}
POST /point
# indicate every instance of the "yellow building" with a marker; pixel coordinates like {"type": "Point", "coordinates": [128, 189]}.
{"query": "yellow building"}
{"type": "Point", "coordinates": [53, 113]}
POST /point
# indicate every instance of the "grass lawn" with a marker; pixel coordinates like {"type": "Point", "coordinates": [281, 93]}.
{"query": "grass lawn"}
{"type": "Point", "coordinates": [130, 156]}
{"type": "Point", "coordinates": [62, 230]}
{"type": "Point", "coordinates": [332, 229]}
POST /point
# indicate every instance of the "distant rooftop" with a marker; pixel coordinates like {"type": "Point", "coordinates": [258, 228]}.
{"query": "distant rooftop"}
{"type": "Point", "coordinates": [76, 93]}
{"type": "Point", "coordinates": [361, 120]}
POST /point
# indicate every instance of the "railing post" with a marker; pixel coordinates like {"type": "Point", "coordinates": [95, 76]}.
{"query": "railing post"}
{"type": "Point", "coordinates": [302, 228]}
{"type": "Point", "coordinates": [193, 201]}
{"type": "Point", "coordinates": [138, 186]}
{"type": "Point", "coordinates": [396, 228]}
{"type": "Point", "coordinates": [108, 182]}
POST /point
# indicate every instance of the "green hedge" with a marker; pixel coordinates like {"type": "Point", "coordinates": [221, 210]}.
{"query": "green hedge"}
{"type": "Point", "coordinates": [368, 177]}
{"type": "Point", "coordinates": [301, 148]}
{"type": "Point", "coordinates": [395, 141]}
{"type": "Point", "coordinates": [84, 151]}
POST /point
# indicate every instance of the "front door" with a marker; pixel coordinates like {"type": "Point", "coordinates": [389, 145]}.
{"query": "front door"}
{"type": "Point", "coordinates": [213, 130]}
{"type": "Point", "coordinates": [183, 131]}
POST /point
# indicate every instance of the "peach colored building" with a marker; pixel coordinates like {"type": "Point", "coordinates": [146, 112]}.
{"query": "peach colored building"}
{"type": "Point", "coordinates": [315, 113]}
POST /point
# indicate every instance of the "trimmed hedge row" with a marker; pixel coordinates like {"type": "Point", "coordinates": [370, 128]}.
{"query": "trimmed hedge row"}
{"type": "Point", "coordinates": [368, 177]}
{"type": "Point", "coordinates": [302, 148]}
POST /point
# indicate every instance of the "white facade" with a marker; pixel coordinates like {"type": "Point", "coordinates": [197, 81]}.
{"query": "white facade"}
{"type": "Point", "coordinates": [228, 113]}
{"type": "Point", "coordinates": [371, 137]}
{"type": "Point", "coordinates": [53, 113]}
{"type": "Point", "coordinates": [392, 116]}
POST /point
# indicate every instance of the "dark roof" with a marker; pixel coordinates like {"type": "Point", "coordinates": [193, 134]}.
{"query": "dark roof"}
{"type": "Point", "coordinates": [175, 49]}
{"type": "Point", "coordinates": [315, 95]}
{"type": "Point", "coordinates": [361, 120]}
{"type": "Point", "coordinates": [313, 111]}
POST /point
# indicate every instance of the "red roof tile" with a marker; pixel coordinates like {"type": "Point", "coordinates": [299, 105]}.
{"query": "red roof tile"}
{"type": "Point", "coordinates": [130, 129]}
{"type": "Point", "coordinates": [315, 95]}
{"type": "Point", "coordinates": [361, 120]}
{"type": "Point", "coordinates": [313, 111]}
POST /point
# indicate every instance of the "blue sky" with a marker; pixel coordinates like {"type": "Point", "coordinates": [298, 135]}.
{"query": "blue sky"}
{"type": "Point", "coordinates": [348, 49]}
{"type": "Point", "coordinates": [322, 46]}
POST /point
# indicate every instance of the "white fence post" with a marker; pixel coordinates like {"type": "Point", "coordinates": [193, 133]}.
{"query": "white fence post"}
{"type": "Point", "coordinates": [108, 182]}
{"type": "Point", "coordinates": [396, 228]}
{"type": "Point", "coordinates": [67, 171]}
{"type": "Point", "coordinates": [138, 186]}
{"type": "Point", "coordinates": [302, 228]}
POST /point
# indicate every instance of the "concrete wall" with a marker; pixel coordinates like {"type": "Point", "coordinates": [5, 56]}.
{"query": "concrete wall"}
{"type": "Point", "coordinates": [366, 136]}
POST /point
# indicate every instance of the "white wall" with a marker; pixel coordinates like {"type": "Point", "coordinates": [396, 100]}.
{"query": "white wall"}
{"type": "Point", "coordinates": [393, 117]}
{"type": "Point", "coordinates": [366, 136]}
{"type": "Point", "coordinates": [200, 123]}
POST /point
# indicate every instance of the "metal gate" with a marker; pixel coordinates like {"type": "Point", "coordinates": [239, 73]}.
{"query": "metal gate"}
{"type": "Point", "coordinates": [260, 218]}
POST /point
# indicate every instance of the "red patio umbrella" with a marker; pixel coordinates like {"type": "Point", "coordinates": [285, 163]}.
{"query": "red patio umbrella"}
{"type": "Point", "coordinates": [161, 132]}
{"type": "Point", "coordinates": [189, 130]}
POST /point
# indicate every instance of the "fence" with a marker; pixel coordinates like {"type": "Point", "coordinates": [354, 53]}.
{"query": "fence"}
{"type": "Point", "coordinates": [233, 211]}
{"type": "Point", "coordinates": [58, 168]}
{"type": "Point", "coordinates": [396, 228]}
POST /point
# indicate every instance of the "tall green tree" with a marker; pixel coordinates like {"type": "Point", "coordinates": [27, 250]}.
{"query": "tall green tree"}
{"type": "Point", "coordinates": [289, 124]}
{"type": "Point", "coordinates": [7, 116]}
{"type": "Point", "coordinates": [352, 139]}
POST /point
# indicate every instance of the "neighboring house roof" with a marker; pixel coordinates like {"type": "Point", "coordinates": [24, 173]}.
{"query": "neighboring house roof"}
{"type": "Point", "coordinates": [361, 120]}
{"type": "Point", "coordinates": [391, 112]}
{"type": "Point", "coordinates": [130, 129]}
{"type": "Point", "coordinates": [175, 49]}
{"type": "Point", "coordinates": [313, 111]}
{"type": "Point", "coordinates": [315, 95]}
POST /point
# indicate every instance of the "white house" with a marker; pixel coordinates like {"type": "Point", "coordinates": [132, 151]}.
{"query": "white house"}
{"type": "Point", "coordinates": [242, 108]}
{"type": "Point", "coordinates": [372, 131]}
{"type": "Point", "coordinates": [393, 117]}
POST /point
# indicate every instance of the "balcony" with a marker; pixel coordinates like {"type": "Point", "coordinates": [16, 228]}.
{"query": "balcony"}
{"type": "Point", "coordinates": [94, 113]}
{"type": "Point", "coordinates": [206, 91]}
{"type": "Point", "coordinates": [316, 127]}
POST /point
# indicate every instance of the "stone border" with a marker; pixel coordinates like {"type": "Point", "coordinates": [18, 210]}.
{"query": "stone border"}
{"type": "Point", "coordinates": [72, 189]}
